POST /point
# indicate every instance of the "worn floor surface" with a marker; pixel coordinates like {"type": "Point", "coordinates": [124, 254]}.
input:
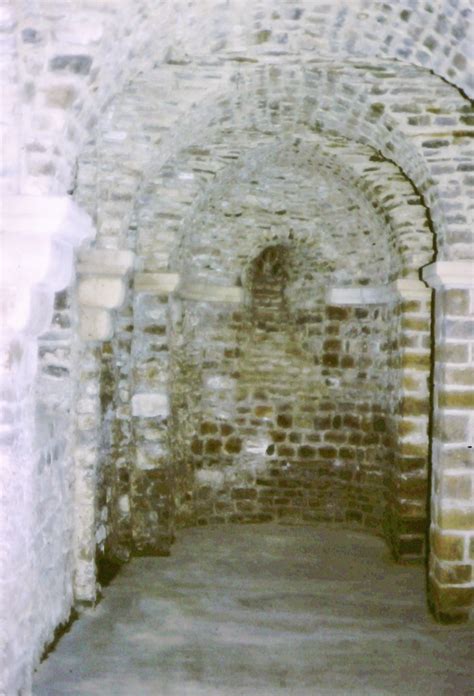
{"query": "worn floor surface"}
{"type": "Point", "coordinates": [263, 611]}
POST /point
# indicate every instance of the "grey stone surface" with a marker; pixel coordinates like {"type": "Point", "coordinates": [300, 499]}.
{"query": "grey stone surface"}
{"type": "Point", "coordinates": [260, 611]}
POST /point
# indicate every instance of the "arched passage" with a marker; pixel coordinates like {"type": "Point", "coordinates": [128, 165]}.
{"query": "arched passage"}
{"type": "Point", "coordinates": [144, 139]}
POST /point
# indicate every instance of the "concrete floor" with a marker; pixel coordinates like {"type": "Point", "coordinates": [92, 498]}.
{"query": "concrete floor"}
{"type": "Point", "coordinates": [263, 610]}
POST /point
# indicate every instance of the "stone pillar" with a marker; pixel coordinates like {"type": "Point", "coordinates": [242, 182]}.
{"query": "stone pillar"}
{"type": "Point", "coordinates": [451, 561]}
{"type": "Point", "coordinates": [407, 483]}
{"type": "Point", "coordinates": [101, 290]}
{"type": "Point", "coordinates": [152, 475]}
{"type": "Point", "coordinates": [39, 234]}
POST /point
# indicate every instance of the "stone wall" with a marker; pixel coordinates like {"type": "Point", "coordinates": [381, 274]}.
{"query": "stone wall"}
{"type": "Point", "coordinates": [291, 418]}
{"type": "Point", "coordinates": [146, 113]}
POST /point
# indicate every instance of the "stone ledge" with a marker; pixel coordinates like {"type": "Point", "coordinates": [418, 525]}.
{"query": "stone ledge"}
{"type": "Point", "coordinates": [207, 292]}
{"type": "Point", "coordinates": [156, 283]}
{"type": "Point", "coordinates": [359, 296]}
{"type": "Point", "coordinates": [105, 261]}
{"type": "Point", "coordinates": [405, 288]}
{"type": "Point", "coordinates": [449, 274]}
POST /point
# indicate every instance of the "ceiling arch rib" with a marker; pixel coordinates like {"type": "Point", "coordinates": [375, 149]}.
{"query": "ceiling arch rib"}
{"type": "Point", "coordinates": [116, 41]}
{"type": "Point", "coordinates": [330, 104]}
{"type": "Point", "coordinates": [175, 196]}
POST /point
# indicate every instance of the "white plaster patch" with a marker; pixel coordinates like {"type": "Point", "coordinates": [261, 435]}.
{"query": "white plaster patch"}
{"type": "Point", "coordinates": [150, 405]}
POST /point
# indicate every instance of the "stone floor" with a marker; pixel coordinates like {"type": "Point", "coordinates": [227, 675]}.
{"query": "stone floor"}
{"type": "Point", "coordinates": [262, 611]}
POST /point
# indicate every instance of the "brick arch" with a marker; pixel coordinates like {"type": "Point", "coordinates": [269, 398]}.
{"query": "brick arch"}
{"type": "Point", "coordinates": [200, 172]}
{"type": "Point", "coordinates": [343, 101]}
{"type": "Point", "coordinates": [69, 69]}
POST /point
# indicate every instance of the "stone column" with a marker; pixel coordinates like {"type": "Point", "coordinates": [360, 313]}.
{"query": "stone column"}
{"type": "Point", "coordinates": [408, 476]}
{"type": "Point", "coordinates": [152, 475]}
{"type": "Point", "coordinates": [451, 561]}
{"type": "Point", "coordinates": [39, 234]}
{"type": "Point", "coordinates": [101, 290]}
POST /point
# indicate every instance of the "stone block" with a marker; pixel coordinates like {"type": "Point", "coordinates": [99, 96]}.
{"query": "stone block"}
{"type": "Point", "coordinates": [453, 574]}
{"type": "Point", "coordinates": [451, 353]}
{"type": "Point", "coordinates": [455, 302]}
{"type": "Point", "coordinates": [95, 324]}
{"type": "Point", "coordinates": [156, 283]}
{"type": "Point", "coordinates": [79, 64]}
{"type": "Point", "coordinates": [150, 405]}
{"type": "Point", "coordinates": [107, 292]}
{"type": "Point", "coordinates": [451, 427]}
{"type": "Point", "coordinates": [447, 547]}
{"type": "Point", "coordinates": [461, 518]}
{"type": "Point", "coordinates": [103, 262]}
{"type": "Point", "coordinates": [456, 399]}
{"type": "Point", "coordinates": [457, 486]}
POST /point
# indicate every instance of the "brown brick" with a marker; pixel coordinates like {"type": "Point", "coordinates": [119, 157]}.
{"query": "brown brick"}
{"type": "Point", "coordinates": [278, 435]}
{"type": "Point", "coordinates": [263, 411]}
{"type": "Point", "coordinates": [413, 487]}
{"type": "Point", "coordinates": [453, 518]}
{"type": "Point", "coordinates": [456, 399]}
{"type": "Point", "coordinates": [415, 324]}
{"type": "Point", "coordinates": [406, 426]}
{"type": "Point", "coordinates": [332, 345]}
{"type": "Point", "coordinates": [196, 446]}
{"type": "Point", "coordinates": [233, 445]}
{"type": "Point", "coordinates": [208, 428]}
{"type": "Point", "coordinates": [411, 306]}
{"type": "Point", "coordinates": [412, 406]}
{"type": "Point", "coordinates": [416, 361]}
{"type": "Point", "coordinates": [449, 599]}
{"type": "Point", "coordinates": [306, 452]}
{"type": "Point", "coordinates": [453, 574]}
{"type": "Point", "coordinates": [413, 381]}
{"type": "Point", "coordinates": [213, 446]}
{"type": "Point", "coordinates": [284, 421]}
{"type": "Point", "coordinates": [447, 547]}
{"type": "Point", "coordinates": [226, 429]}
{"type": "Point", "coordinates": [327, 452]}
{"type": "Point", "coordinates": [410, 449]}
{"type": "Point", "coordinates": [347, 361]}
{"type": "Point", "coordinates": [244, 494]}
{"type": "Point", "coordinates": [330, 359]}
{"type": "Point", "coordinates": [285, 451]}
{"type": "Point", "coordinates": [337, 313]}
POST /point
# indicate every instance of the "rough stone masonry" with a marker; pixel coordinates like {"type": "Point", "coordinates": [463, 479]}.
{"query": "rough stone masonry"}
{"type": "Point", "coordinates": [237, 285]}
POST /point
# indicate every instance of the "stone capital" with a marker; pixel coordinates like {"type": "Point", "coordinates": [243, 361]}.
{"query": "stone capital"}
{"type": "Point", "coordinates": [410, 288]}
{"type": "Point", "coordinates": [449, 274]}
{"type": "Point", "coordinates": [38, 237]}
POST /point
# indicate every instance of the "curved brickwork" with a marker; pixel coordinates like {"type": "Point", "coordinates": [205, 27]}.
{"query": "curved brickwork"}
{"type": "Point", "coordinates": [354, 119]}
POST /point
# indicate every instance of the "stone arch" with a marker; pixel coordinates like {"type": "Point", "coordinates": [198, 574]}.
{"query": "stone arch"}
{"type": "Point", "coordinates": [77, 76]}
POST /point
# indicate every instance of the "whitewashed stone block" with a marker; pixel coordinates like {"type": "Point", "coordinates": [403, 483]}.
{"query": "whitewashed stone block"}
{"type": "Point", "coordinates": [207, 292]}
{"type": "Point", "coordinates": [95, 324]}
{"type": "Point", "coordinates": [156, 283]}
{"type": "Point", "coordinates": [358, 295]}
{"type": "Point", "coordinates": [101, 291]}
{"type": "Point", "coordinates": [105, 261]}
{"type": "Point", "coordinates": [150, 405]}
